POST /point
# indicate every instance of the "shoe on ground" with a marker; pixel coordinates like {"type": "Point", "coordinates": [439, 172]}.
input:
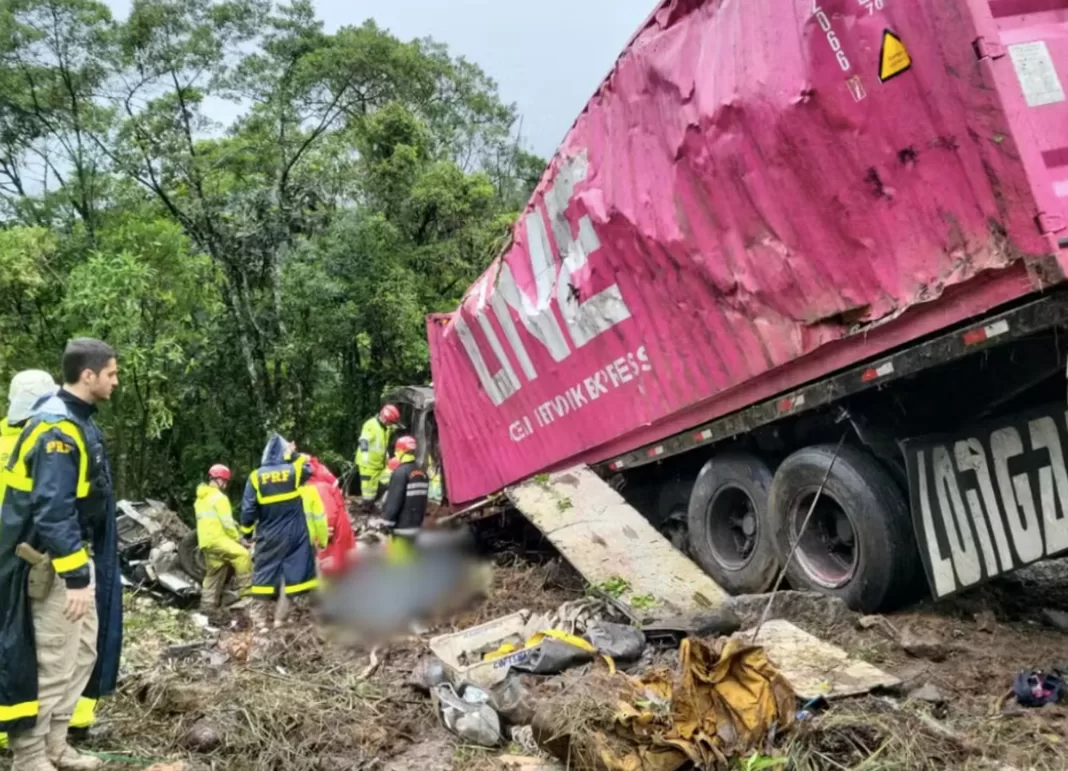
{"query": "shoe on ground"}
{"type": "Point", "coordinates": [69, 759]}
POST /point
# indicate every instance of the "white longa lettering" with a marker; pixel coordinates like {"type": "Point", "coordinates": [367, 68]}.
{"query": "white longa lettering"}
{"type": "Point", "coordinates": [969, 455]}
{"type": "Point", "coordinates": [941, 566]}
{"type": "Point", "coordinates": [498, 385]}
{"type": "Point", "coordinates": [955, 519]}
{"type": "Point", "coordinates": [585, 317]}
{"type": "Point", "coordinates": [538, 320]}
{"type": "Point", "coordinates": [555, 282]}
{"type": "Point", "coordinates": [1017, 498]}
{"type": "Point", "coordinates": [504, 318]}
{"type": "Point", "coordinates": [1052, 484]}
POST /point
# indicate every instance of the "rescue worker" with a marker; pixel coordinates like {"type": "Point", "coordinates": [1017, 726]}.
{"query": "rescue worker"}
{"type": "Point", "coordinates": [341, 542]}
{"type": "Point", "coordinates": [61, 607]}
{"type": "Point", "coordinates": [314, 503]}
{"type": "Point", "coordinates": [273, 509]}
{"type": "Point", "coordinates": [314, 512]}
{"type": "Point", "coordinates": [374, 452]}
{"type": "Point", "coordinates": [406, 499]}
{"type": "Point", "coordinates": [25, 389]}
{"type": "Point", "coordinates": [219, 541]}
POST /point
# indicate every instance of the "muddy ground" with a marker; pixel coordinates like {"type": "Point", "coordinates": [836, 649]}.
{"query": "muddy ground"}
{"type": "Point", "coordinates": [301, 701]}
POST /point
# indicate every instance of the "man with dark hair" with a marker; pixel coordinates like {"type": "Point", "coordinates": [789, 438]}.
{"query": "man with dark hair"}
{"type": "Point", "coordinates": [61, 607]}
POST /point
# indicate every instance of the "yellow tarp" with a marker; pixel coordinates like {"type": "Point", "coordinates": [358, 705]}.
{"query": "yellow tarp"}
{"type": "Point", "coordinates": [721, 704]}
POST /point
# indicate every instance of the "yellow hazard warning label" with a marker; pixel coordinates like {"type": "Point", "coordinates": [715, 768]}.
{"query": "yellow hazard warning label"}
{"type": "Point", "coordinates": [893, 57]}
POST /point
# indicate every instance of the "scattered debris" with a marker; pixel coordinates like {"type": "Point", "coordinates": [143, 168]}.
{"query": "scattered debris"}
{"type": "Point", "coordinates": [217, 697]}
{"type": "Point", "coordinates": [528, 763]}
{"type": "Point", "coordinates": [810, 607]}
{"type": "Point", "coordinates": [1036, 688]}
{"type": "Point", "coordinates": [606, 540]}
{"type": "Point", "coordinates": [815, 668]}
{"type": "Point", "coordinates": [1058, 619]}
{"type": "Point", "coordinates": [620, 642]}
{"type": "Point", "coordinates": [928, 693]}
{"type": "Point", "coordinates": [721, 701]}
{"type": "Point", "coordinates": [922, 645]}
{"type": "Point", "coordinates": [203, 736]}
{"type": "Point", "coordinates": [427, 673]}
{"type": "Point", "coordinates": [880, 623]}
{"type": "Point", "coordinates": [468, 714]}
{"type": "Point", "coordinates": [157, 551]}
{"type": "Point", "coordinates": [986, 621]}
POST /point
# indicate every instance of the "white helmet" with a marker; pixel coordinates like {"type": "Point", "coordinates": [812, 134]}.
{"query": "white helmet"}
{"type": "Point", "coordinates": [27, 387]}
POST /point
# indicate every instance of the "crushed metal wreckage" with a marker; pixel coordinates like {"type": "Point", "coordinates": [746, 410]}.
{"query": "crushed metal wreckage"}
{"type": "Point", "coordinates": [158, 552]}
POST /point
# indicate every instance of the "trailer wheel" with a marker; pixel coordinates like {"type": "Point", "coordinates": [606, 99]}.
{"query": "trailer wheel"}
{"type": "Point", "coordinates": [730, 536]}
{"type": "Point", "coordinates": [858, 544]}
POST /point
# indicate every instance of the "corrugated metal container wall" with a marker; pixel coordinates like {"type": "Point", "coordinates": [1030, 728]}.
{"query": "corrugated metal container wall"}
{"type": "Point", "coordinates": [762, 191]}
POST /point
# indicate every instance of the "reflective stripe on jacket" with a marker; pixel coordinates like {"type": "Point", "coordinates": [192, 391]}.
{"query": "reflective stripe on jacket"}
{"type": "Point", "coordinates": [373, 454]}
{"type": "Point", "coordinates": [315, 515]}
{"type": "Point", "coordinates": [273, 506]}
{"type": "Point", "coordinates": [215, 517]}
{"type": "Point", "coordinates": [58, 500]}
{"type": "Point", "coordinates": [9, 436]}
{"type": "Point", "coordinates": [406, 500]}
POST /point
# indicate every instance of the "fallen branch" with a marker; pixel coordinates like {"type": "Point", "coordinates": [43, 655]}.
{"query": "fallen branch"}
{"type": "Point", "coordinates": [370, 668]}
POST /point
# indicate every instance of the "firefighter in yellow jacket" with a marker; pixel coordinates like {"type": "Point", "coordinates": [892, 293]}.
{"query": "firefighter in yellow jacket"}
{"type": "Point", "coordinates": [373, 454]}
{"type": "Point", "coordinates": [219, 541]}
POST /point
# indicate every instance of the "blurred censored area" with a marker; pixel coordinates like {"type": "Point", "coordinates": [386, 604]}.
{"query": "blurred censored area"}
{"type": "Point", "coordinates": [399, 582]}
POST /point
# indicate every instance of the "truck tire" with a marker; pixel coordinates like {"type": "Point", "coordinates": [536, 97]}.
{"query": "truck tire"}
{"type": "Point", "coordinates": [672, 512]}
{"type": "Point", "coordinates": [730, 536]}
{"type": "Point", "coordinates": [190, 558]}
{"type": "Point", "coordinates": [858, 545]}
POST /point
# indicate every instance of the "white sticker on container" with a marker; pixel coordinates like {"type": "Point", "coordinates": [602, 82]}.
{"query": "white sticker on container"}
{"type": "Point", "coordinates": [1037, 73]}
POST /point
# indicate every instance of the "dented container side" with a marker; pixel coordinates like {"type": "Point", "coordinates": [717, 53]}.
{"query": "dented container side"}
{"type": "Point", "coordinates": [755, 185]}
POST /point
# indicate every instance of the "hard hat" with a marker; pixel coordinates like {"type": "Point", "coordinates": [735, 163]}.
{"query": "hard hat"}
{"type": "Point", "coordinates": [219, 471]}
{"type": "Point", "coordinates": [27, 387]}
{"type": "Point", "coordinates": [389, 414]}
{"type": "Point", "coordinates": [406, 444]}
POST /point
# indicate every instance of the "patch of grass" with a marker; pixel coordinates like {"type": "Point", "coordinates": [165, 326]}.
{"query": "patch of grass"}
{"type": "Point", "coordinates": [541, 479]}
{"type": "Point", "coordinates": [472, 756]}
{"type": "Point", "coordinates": [758, 762]}
{"type": "Point", "coordinates": [615, 586]}
{"type": "Point", "coordinates": [564, 504]}
{"type": "Point", "coordinates": [643, 601]}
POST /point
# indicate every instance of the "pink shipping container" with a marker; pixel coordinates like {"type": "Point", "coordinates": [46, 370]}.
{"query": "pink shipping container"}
{"type": "Point", "coordinates": [760, 193]}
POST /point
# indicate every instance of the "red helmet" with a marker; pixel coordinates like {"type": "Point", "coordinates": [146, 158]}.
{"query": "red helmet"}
{"type": "Point", "coordinates": [219, 471]}
{"type": "Point", "coordinates": [389, 414]}
{"type": "Point", "coordinates": [406, 444]}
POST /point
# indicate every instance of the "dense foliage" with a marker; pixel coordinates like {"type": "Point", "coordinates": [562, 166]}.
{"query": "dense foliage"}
{"type": "Point", "coordinates": [257, 213]}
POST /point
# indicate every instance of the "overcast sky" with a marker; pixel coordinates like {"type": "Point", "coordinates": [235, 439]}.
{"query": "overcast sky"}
{"type": "Point", "coordinates": [547, 56]}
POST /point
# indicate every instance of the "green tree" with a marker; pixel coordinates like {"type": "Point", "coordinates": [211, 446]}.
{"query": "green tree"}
{"type": "Point", "coordinates": [272, 271]}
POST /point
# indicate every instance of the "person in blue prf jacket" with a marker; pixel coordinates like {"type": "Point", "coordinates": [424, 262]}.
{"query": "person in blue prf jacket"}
{"type": "Point", "coordinates": [60, 637]}
{"type": "Point", "coordinates": [272, 508]}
